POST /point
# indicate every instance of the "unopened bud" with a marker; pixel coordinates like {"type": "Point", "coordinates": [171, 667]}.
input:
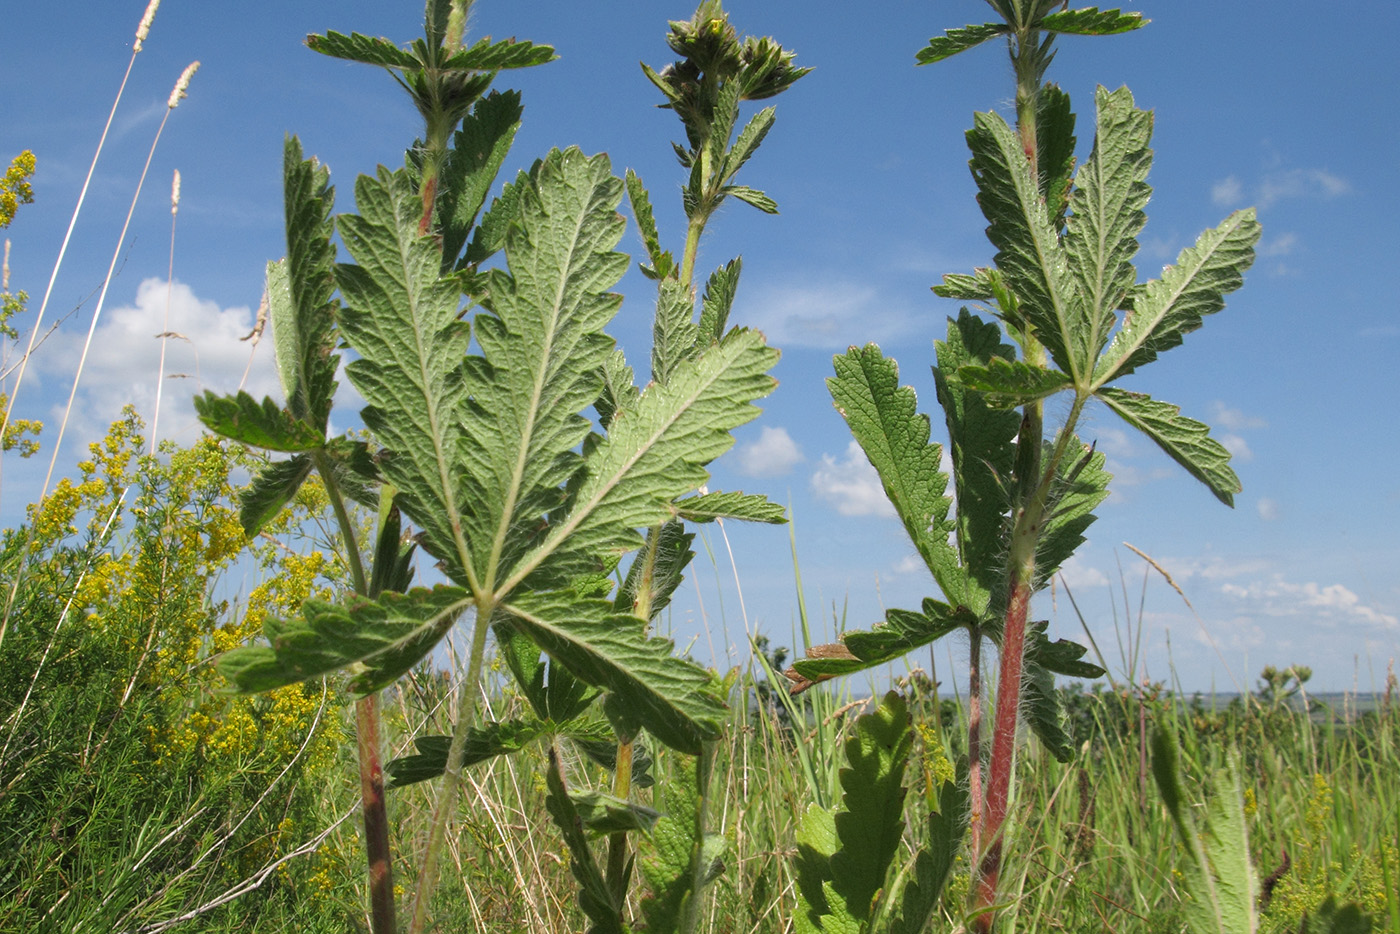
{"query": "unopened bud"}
{"type": "Point", "coordinates": [182, 85]}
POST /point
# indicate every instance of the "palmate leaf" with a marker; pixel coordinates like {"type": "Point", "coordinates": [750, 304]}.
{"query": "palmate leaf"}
{"type": "Point", "coordinates": [478, 150]}
{"type": "Point", "coordinates": [870, 824]}
{"type": "Point", "coordinates": [958, 40]}
{"type": "Point", "coordinates": [883, 418]}
{"type": "Point", "coordinates": [654, 453]}
{"type": "Point", "coordinates": [747, 507]}
{"type": "Point", "coordinates": [1090, 21]}
{"type": "Point", "coordinates": [388, 636]}
{"type": "Point", "coordinates": [543, 352]}
{"type": "Point", "coordinates": [667, 695]}
{"type": "Point", "coordinates": [1110, 194]}
{"type": "Point", "coordinates": [1165, 310]}
{"type": "Point", "coordinates": [551, 691]}
{"type": "Point", "coordinates": [300, 288]}
{"type": "Point", "coordinates": [273, 487]}
{"type": "Point", "coordinates": [1006, 384]}
{"type": "Point", "coordinates": [1186, 441]}
{"type": "Point", "coordinates": [1028, 250]}
{"type": "Point", "coordinates": [980, 445]}
{"type": "Point", "coordinates": [267, 425]}
{"type": "Point", "coordinates": [401, 319]}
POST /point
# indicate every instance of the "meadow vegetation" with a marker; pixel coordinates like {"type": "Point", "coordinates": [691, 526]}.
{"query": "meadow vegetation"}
{"type": "Point", "coordinates": [328, 747]}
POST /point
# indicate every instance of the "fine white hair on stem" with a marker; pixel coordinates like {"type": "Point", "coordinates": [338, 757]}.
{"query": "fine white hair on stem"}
{"type": "Point", "coordinates": [144, 29]}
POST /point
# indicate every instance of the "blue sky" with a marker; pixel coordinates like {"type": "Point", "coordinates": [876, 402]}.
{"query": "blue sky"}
{"type": "Point", "coordinates": [1255, 104]}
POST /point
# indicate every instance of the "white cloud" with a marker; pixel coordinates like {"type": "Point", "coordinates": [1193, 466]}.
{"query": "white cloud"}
{"type": "Point", "coordinates": [773, 454]}
{"type": "Point", "coordinates": [1299, 183]}
{"type": "Point", "coordinates": [1327, 604]}
{"type": "Point", "coordinates": [1237, 446]}
{"type": "Point", "coordinates": [851, 484]}
{"type": "Point", "coordinates": [1268, 508]}
{"type": "Point", "coordinates": [1079, 575]}
{"type": "Point", "coordinates": [1281, 245]}
{"type": "Point", "coordinates": [1227, 192]}
{"type": "Point", "coordinates": [1234, 419]}
{"type": "Point", "coordinates": [833, 315]}
{"type": "Point", "coordinates": [204, 351]}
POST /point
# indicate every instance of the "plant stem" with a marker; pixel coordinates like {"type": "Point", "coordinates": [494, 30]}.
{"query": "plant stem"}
{"type": "Point", "coordinates": [974, 736]}
{"type": "Point", "coordinates": [381, 874]}
{"type": "Point", "coordinates": [452, 774]}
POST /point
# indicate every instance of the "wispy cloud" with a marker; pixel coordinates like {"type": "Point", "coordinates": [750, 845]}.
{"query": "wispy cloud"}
{"type": "Point", "coordinates": [772, 454]}
{"type": "Point", "coordinates": [831, 315]}
{"type": "Point", "coordinates": [1267, 508]}
{"type": "Point", "coordinates": [851, 484]}
{"type": "Point", "coordinates": [1326, 604]}
{"type": "Point", "coordinates": [1280, 185]}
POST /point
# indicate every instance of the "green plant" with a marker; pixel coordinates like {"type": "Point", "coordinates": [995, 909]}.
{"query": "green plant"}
{"type": "Point", "coordinates": [478, 384]}
{"type": "Point", "coordinates": [1065, 291]}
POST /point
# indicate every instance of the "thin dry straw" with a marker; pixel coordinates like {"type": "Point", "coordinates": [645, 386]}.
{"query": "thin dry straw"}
{"type": "Point", "coordinates": [142, 30]}
{"type": "Point", "coordinates": [165, 333]}
{"type": "Point", "coordinates": [176, 94]}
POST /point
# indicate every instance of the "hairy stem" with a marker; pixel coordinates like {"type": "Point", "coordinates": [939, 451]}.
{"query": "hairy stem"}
{"type": "Point", "coordinates": [974, 736]}
{"type": "Point", "coordinates": [381, 876]}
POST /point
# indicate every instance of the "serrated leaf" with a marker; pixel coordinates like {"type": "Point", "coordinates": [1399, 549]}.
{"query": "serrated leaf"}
{"type": "Point", "coordinates": [354, 470]}
{"type": "Point", "coordinates": [272, 487]}
{"type": "Point", "coordinates": [595, 898]}
{"type": "Point", "coordinates": [1110, 195]}
{"type": "Point", "coordinates": [1055, 142]}
{"type": "Point", "coordinates": [974, 288]}
{"type": "Point", "coordinates": [267, 425]}
{"type": "Point", "coordinates": [619, 388]}
{"type": "Point", "coordinates": [401, 318]}
{"type": "Point", "coordinates": [393, 557]}
{"type": "Point", "coordinates": [478, 150]}
{"type": "Point", "coordinates": [751, 196]}
{"type": "Point", "coordinates": [1081, 484]}
{"type": "Point", "coordinates": [662, 263]}
{"type": "Point", "coordinates": [954, 41]}
{"type": "Point", "coordinates": [1186, 441]}
{"type": "Point", "coordinates": [871, 822]}
{"type": "Point", "coordinates": [300, 288]}
{"type": "Point", "coordinates": [552, 692]}
{"type": "Point", "coordinates": [669, 545]}
{"type": "Point", "coordinates": [1028, 251]}
{"type": "Point", "coordinates": [717, 301]}
{"type": "Point", "coordinates": [358, 47]}
{"type": "Point", "coordinates": [673, 330]}
{"type": "Point", "coordinates": [747, 507]}
{"type": "Point", "coordinates": [750, 138]}
{"type": "Point", "coordinates": [484, 742]}
{"type": "Point", "coordinates": [486, 55]}
{"type": "Point", "coordinates": [816, 842]}
{"type": "Point", "coordinates": [883, 417]}
{"type": "Point", "coordinates": [980, 447]}
{"type": "Point", "coordinates": [1040, 702]}
{"type": "Point", "coordinates": [490, 235]}
{"type": "Point", "coordinates": [604, 813]}
{"type": "Point", "coordinates": [1165, 310]}
{"type": "Point", "coordinates": [655, 452]}
{"type": "Point", "coordinates": [668, 695]}
{"type": "Point", "coordinates": [1009, 384]}
{"type": "Point", "coordinates": [1090, 21]}
{"type": "Point", "coordinates": [387, 636]}
{"type": "Point", "coordinates": [679, 856]}
{"type": "Point", "coordinates": [934, 863]}
{"type": "Point", "coordinates": [543, 352]}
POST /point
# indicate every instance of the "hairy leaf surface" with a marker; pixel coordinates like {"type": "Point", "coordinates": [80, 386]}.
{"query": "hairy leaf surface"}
{"type": "Point", "coordinates": [1165, 310]}
{"type": "Point", "coordinates": [749, 507]}
{"type": "Point", "coordinates": [1091, 21]}
{"type": "Point", "coordinates": [610, 650]}
{"type": "Point", "coordinates": [883, 417]}
{"type": "Point", "coordinates": [958, 40]}
{"type": "Point", "coordinates": [267, 425]}
{"type": "Point", "coordinates": [1006, 384]}
{"type": "Point", "coordinates": [718, 300]}
{"type": "Point", "coordinates": [478, 150]}
{"type": "Point", "coordinates": [1081, 483]}
{"type": "Point", "coordinates": [595, 898]}
{"type": "Point", "coordinates": [484, 742]}
{"type": "Point", "coordinates": [1185, 440]}
{"type": "Point", "coordinates": [272, 487]}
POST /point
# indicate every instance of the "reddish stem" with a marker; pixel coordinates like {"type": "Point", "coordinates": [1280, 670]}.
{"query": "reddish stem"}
{"type": "Point", "coordinates": [381, 875]}
{"type": "Point", "coordinates": [974, 739]}
{"type": "Point", "coordinates": [1013, 647]}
